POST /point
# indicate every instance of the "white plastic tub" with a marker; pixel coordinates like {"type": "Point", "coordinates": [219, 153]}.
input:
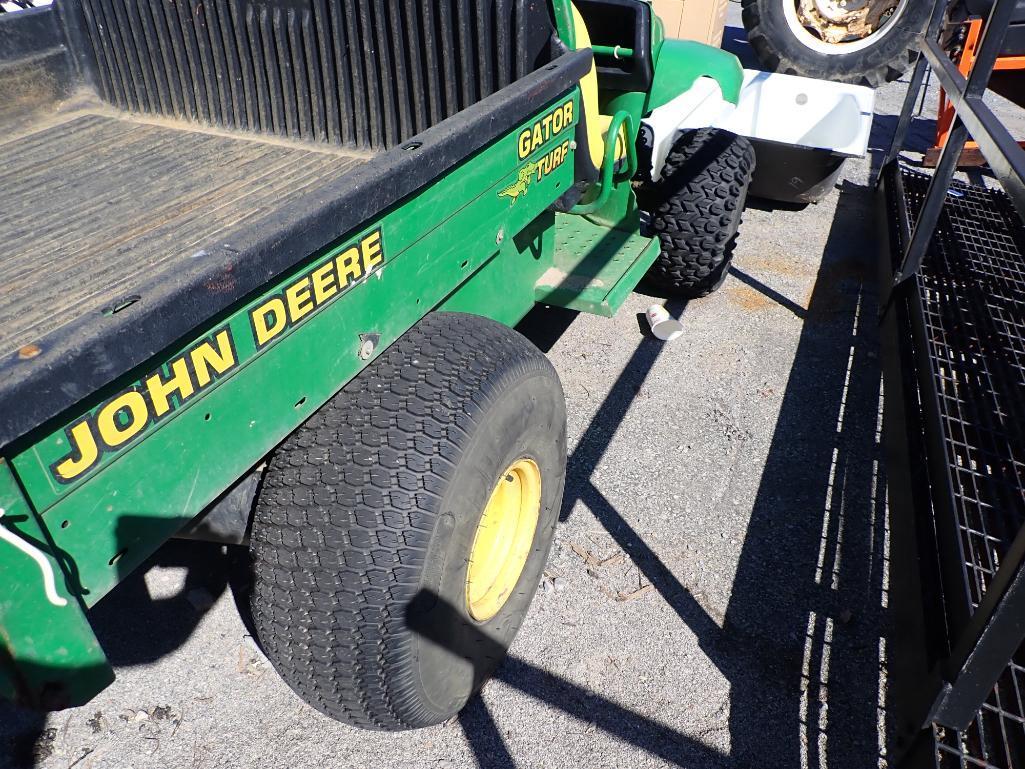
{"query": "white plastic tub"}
{"type": "Point", "coordinates": [802, 112]}
{"type": "Point", "coordinates": [802, 129]}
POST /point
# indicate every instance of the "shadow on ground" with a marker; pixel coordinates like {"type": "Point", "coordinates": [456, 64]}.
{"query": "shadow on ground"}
{"type": "Point", "coordinates": [802, 642]}
{"type": "Point", "coordinates": [805, 615]}
{"type": "Point", "coordinates": [134, 628]}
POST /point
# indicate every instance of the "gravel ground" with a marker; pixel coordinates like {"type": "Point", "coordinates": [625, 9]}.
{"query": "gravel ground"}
{"type": "Point", "coordinates": [717, 592]}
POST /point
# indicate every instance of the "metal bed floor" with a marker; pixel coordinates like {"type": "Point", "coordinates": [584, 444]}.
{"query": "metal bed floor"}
{"type": "Point", "coordinates": [92, 204]}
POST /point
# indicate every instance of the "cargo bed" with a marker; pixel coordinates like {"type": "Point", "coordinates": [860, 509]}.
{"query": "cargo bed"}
{"type": "Point", "coordinates": [97, 204]}
{"type": "Point", "coordinates": [141, 197]}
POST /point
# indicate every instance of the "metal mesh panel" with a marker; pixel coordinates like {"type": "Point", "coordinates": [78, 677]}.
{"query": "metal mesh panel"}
{"type": "Point", "coordinates": [972, 288]}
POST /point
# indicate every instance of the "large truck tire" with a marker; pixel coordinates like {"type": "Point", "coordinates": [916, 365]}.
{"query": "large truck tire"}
{"type": "Point", "coordinates": [865, 42]}
{"type": "Point", "coordinates": [400, 533]}
{"type": "Point", "coordinates": [695, 209]}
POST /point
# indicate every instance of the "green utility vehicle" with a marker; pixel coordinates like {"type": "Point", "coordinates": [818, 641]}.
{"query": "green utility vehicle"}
{"type": "Point", "coordinates": [260, 263]}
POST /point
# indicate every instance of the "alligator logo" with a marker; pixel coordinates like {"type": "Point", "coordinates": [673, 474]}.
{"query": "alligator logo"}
{"type": "Point", "coordinates": [523, 180]}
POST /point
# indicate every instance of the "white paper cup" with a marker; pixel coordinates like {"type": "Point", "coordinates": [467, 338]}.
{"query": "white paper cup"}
{"type": "Point", "coordinates": [663, 325]}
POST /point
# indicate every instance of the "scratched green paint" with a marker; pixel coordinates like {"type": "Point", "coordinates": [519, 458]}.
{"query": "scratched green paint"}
{"type": "Point", "coordinates": [406, 226]}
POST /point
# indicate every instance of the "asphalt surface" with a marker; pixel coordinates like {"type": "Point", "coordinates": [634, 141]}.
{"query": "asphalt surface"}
{"type": "Point", "coordinates": [717, 592]}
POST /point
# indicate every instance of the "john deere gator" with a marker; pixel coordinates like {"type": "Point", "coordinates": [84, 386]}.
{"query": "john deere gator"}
{"type": "Point", "coordinates": [261, 261]}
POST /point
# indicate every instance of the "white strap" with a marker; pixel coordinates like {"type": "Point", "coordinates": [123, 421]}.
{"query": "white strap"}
{"type": "Point", "coordinates": [49, 582]}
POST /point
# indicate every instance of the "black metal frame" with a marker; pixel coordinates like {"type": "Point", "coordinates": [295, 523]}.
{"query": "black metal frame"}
{"type": "Point", "coordinates": [1005, 157]}
{"type": "Point", "coordinates": [984, 637]}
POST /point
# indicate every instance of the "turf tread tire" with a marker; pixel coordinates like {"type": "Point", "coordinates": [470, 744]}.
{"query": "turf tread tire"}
{"type": "Point", "coordinates": [348, 507]}
{"type": "Point", "coordinates": [696, 208]}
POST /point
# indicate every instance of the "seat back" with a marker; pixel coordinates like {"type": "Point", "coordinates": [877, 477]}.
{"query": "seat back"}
{"type": "Point", "coordinates": [363, 73]}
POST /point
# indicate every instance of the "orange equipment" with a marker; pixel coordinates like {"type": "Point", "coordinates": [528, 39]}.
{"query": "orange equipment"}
{"type": "Point", "coordinates": [945, 119]}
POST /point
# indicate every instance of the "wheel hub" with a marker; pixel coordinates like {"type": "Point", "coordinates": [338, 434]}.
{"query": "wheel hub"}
{"type": "Point", "coordinates": [840, 21]}
{"type": "Point", "coordinates": [504, 538]}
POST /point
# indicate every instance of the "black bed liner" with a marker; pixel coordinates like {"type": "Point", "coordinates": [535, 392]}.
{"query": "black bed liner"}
{"type": "Point", "coordinates": [87, 228]}
{"type": "Point", "coordinates": [94, 205]}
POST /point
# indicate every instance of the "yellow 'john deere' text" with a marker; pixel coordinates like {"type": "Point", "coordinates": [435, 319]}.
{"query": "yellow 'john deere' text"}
{"type": "Point", "coordinates": [124, 419]}
{"type": "Point", "coordinates": [314, 288]}
{"type": "Point", "coordinates": [128, 413]}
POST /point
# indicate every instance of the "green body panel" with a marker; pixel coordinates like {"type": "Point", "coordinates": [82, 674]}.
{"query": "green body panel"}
{"type": "Point", "coordinates": [595, 267]}
{"type": "Point", "coordinates": [113, 518]}
{"type": "Point", "coordinates": [59, 662]}
{"type": "Point", "coordinates": [511, 275]}
{"type": "Point", "coordinates": [681, 62]}
{"type": "Point", "coordinates": [677, 65]}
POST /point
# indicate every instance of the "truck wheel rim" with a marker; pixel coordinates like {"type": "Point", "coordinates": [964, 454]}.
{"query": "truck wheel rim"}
{"type": "Point", "coordinates": [503, 540]}
{"type": "Point", "coordinates": [800, 29]}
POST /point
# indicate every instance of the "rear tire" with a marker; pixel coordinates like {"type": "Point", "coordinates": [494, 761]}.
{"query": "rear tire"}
{"type": "Point", "coordinates": [781, 49]}
{"type": "Point", "coordinates": [369, 511]}
{"type": "Point", "coordinates": [695, 210]}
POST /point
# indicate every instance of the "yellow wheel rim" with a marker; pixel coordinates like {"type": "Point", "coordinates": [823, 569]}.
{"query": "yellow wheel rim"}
{"type": "Point", "coordinates": [504, 538]}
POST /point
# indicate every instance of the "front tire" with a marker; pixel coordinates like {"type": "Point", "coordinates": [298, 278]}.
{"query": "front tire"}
{"type": "Point", "coordinates": [362, 537]}
{"type": "Point", "coordinates": [782, 44]}
{"type": "Point", "coordinates": [695, 209]}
